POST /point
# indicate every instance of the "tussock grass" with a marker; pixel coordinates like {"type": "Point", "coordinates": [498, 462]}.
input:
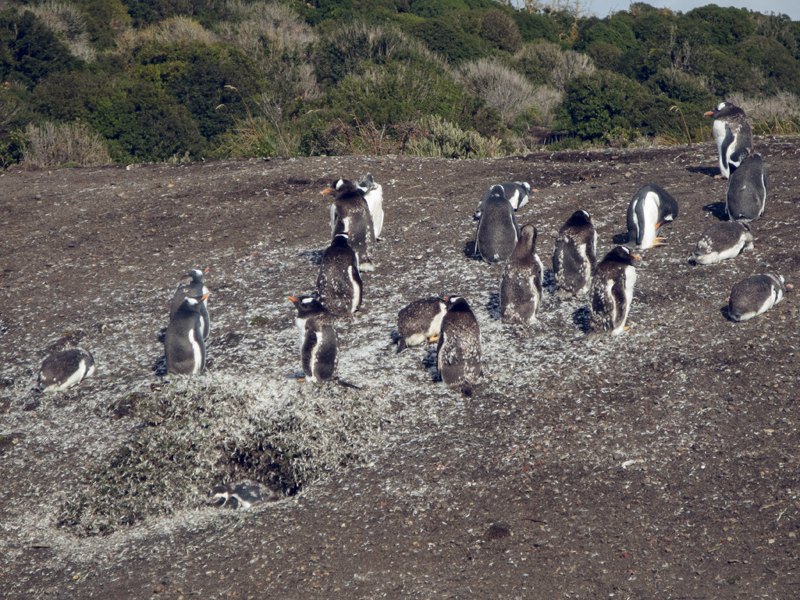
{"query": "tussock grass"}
{"type": "Point", "coordinates": [441, 139]}
{"type": "Point", "coordinates": [776, 114]}
{"type": "Point", "coordinates": [67, 20]}
{"type": "Point", "coordinates": [53, 144]}
{"type": "Point", "coordinates": [503, 88]}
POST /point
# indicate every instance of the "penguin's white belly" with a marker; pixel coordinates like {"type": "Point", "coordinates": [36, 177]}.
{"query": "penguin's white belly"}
{"type": "Point", "coordinates": [630, 282]}
{"type": "Point", "coordinates": [650, 210]}
{"type": "Point", "coordinates": [197, 351]}
{"type": "Point", "coordinates": [73, 379]}
{"type": "Point", "coordinates": [313, 362]}
{"type": "Point", "coordinates": [374, 201]}
{"type": "Point", "coordinates": [301, 330]}
{"type": "Point", "coordinates": [356, 291]}
{"type": "Point", "coordinates": [436, 324]}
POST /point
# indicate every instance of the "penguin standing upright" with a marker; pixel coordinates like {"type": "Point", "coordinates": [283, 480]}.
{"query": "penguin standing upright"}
{"type": "Point", "coordinates": [517, 193]}
{"type": "Point", "coordinates": [574, 259]}
{"type": "Point", "coordinates": [339, 282]}
{"type": "Point", "coordinates": [420, 321]}
{"type": "Point", "coordinates": [755, 295]}
{"type": "Point", "coordinates": [521, 286]}
{"type": "Point", "coordinates": [649, 209]}
{"type": "Point", "coordinates": [459, 350]}
{"type": "Point", "coordinates": [350, 209]}
{"type": "Point", "coordinates": [183, 344]}
{"type": "Point", "coordinates": [733, 136]}
{"type": "Point", "coordinates": [191, 285]}
{"type": "Point", "coordinates": [373, 194]}
{"type": "Point", "coordinates": [497, 233]}
{"type": "Point", "coordinates": [318, 341]}
{"type": "Point", "coordinates": [720, 241]}
{"type": "Point", "coordinates": [612, 291]}
{"type": "Point", "coordinates": [65, 369]}
{"type": "Point", "coordinates": [746, 198]}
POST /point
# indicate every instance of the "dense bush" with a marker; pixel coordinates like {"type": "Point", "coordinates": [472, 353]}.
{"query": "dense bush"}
{"type": "Point", "coordinates": [502, 88]}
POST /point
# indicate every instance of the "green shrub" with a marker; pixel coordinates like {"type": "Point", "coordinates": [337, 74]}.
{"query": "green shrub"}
{"type": "Point", "coordinates": [441, 139]}
{"type": "Point", "coordinates": [545, 63]}
{"type": "Point", "coordinates": [501, 30]}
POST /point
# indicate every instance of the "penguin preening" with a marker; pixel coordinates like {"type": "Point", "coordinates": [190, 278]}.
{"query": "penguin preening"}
{"type": "Point", "coordinates": [517, 193]}
{"type": "Point", "coordinates": [574, 258]}
{"type": "Point", "coordinates": [612, 291]}
{"type": "Point", "coordinates": [318, 341]}
{"type": "Point", "coordinates": [65, 369]}
{"type": "Point", "coordinates": [420, 322]}
{"type": "Point", "coordinates": [373, 194]}
{"type": "Point", "coordinates": [733, 135]}
{"type": "Point", "coordinates": [339, 281]}
{"type": "Point", "coordinates": [184, 345]}
{"type": "Point", "coordinates": [350, 209]}
{"type": "Point", "coordinates": [191, 285]}
{"type": "Point", "coordinates": [650, 208]}
{"type": "Point", "coordinates": [746, 198]}
{"type": "Point", "coordinates": [497, 233]}
{"type": "Point", "coordinates": [521, 286]}
{"type": "Point", "coordinates": [459, 350]}
{"type": "Point", "coordinates": [721, 241]}
{"type": "Point", "coordinates": [755, 295]}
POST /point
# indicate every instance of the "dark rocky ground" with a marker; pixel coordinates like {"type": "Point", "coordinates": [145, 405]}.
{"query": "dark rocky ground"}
{"type": "Point", "coordinates": [659, 464]}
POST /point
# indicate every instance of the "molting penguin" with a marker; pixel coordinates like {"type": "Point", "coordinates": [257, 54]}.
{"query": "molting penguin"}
{"type": "Point", "coordinates": [517, 193]}
{"type": "Point", "coordinates": [65, 369]}
{"type": "Point", "coordinates": [755, 295]}
{"type": "Point", "coordinates": [459, 351]}
{"type": "Point", "coordinates": [183, 344]}
{"type": "Point", "coordinates": [350, 209]}
{"type": "Point", "coordinates": [733, 136]}
{"type": "Point", "coordinates": [318, 341]}
{"type": "Point", "coordinates": [497, 232]}
{"type": "Point", "coordinates": [721, 241]}
{"type": "Point", "coordinates": [574, 258]}
{"type": "Point", "coordinates": [650, 208]}
{"type": "Point", "coordinates": [612, 291]}
{"type": "Point", "coordinates": [339, 282]}
{"type": "Point", "coordinates": [420, 321]}
{"type": "Point", "coordinates": [191, 285]}
{"type": "Point", "coordinates": [521, 286]}
{"type": "Point", "coordinates": [746, 198]}
{"type": "Point", "coordinates": [373, 194]}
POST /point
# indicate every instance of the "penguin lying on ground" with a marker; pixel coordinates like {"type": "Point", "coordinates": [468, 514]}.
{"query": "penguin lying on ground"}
{"type": "Point", "coordinates": [373, 194]}
{"type": "Point", "coordinates": [517, 193]}
{"type": "Point", "coordinates": [650, 208]}
{"type": "Point", "coordinates": [746, 198]}
{"type": "Point", "coordinates": [521, 286]}
{"type": "Point", "coordinates": [733, 136]}
{"type": "Point", "coordinates": [721, 241]}
{"type": "Point", "coordinates": [183, 344]}
{"type": "Point", "coordinates": [65, 369]}
{"type": "Point", "coordinates": [755, 295]}
{"type": "Point", "coordinates": [350, 213]}
{"type": "Point", "coordinates": [612, 292]}
{"type": "Point", "coordinates": [191, 285]}
{"type": "Point", "coordinates": [497, 233]}
{"type": "Point", "coordinates": [339, 281]}
{"type": "Point", "coordinates": [574, 259]}
{"type": "Point", "coordinates": [318, 341]}
{"type": "Point", "coordinates": [420, 321]}
{"type": "Point", "coordinates": [459, 350]}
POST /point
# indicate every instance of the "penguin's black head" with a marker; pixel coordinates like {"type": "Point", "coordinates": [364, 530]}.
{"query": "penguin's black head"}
{"type": "Point", "coordinates": [578, 218]}
{"type": "Point", "coordinates": [497, 190]}
{"type": "Point", "coordinates": [306, 305]}
{"type": "Point", "coordinates": [724, 109]}
{"type": "Point", "coordinates": [192, 303]}
{"type": "Point", "coordinates": [456, 303]}
{"type": "Point", "coordinates": [342, 187]}
{"type": "Point", "coordinates": [621, 254]}
{"type": "Point", "coordinates": [528, 233]}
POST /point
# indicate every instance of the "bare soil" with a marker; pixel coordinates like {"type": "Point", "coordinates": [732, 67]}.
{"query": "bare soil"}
{"type": "Point", "coordinates": [660, 464]}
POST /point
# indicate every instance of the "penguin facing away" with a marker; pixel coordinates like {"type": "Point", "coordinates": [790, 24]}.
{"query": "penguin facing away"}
{"type": "Point", "coordinates": [650, 208]}
{"type": "Point", "coordinates": [339, 282]}
{"type": "Point", "coordinates": [318, 341]}
{"type": "Point", "coordinates": [612, 291]}
{"type": "Point", "coordinates": [184, 345]}
{"type": "Point", "coordinates": [192, 285]}
{"type": "Point", "coordinates": [350, 209]}
{"type": "Point", "coordinates": [517, 193]}
{"type": "Point", "coordinates": [459, 350]}
{"type": "Point", "coordinates": [63, 370]}
{"type": "Point", "coordinates": [755, 295]}
{"type": "Point", "coordinates": [373, 194]}
{"type": "Point", "coordinates": [746, 198]}
{"type": "Point", "coordinates": [521, 286]}
{"type": "Point", "coordinates": [721, 241]}
{"type": "Point", "coordinates": [497, 233]}
{"type": "Point", "coordinates": [420, 322]}
{"type": "Point", "coordinates": [733, 135]}
{"type": "Point", "coordinates": [574, 258]}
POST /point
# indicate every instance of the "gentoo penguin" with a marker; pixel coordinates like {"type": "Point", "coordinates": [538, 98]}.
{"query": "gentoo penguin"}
{"type": "Point", "coordinates": [459, 351]}
{"type": "Point", "coordinates": [721, 241]}
{"type": "Point", "coordinates": [612, 291]}
{"type": "Point", "coordinates": [733, 135]}
{"type": "Point", "coordinates": [574, 259]}
{"type": "Point", "coordinates": [65, 369]}
{"type": "Point", "coordinates": [240, 495]}
{"type": "Point", "coordinates": [318, 341]}
{"type": "Point", "coordinates": [350, 209]}
{"type": "Point", "coordinates": [497, 232]}
{"type": "Point", "coordinates": [650, 208]}
{"type": "Point", "coordinates": [373, 194]}
{"type": "Point", "coordinates": [517, 193]}
{"type": "Point", "coordinates": [420, 321]}
{"type": "Point", "coordinates": [339, 282]}
{"type": "Point", "coordinates": [755, 295]}
{"type": "Point", "coordinates": [747, 190]}
{"type": "Point", "coordinates": [183, 344]}
{"type": "Point", "coordinates": [191, 285]}
{"type": "Point", "coordinates": [521, 286]}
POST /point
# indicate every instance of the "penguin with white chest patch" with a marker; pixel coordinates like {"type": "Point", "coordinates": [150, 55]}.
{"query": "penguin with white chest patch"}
{"type": "Point", "coordinates": [350, 213]}
{"type": "Point", "coordinates": [373, 194]}
{"type": "Point", "coordinates": [459, 350]}
{"type": "Point", "coordinates": [755, 295]}
{"type": "Point", "coordinates": [192, 285]}
{"type": "Point", "coordinates": [746, 198]}
{"type": "Point", "coordinates": [521, 286]}
{"type": "Point", "coordinates": [63, 370]}
{"type": "Point", "coordinates": [650, 208]}
{"type": "Point", "coordinates": [420, 322]}
{"type": "Point", "coordinates": [339, 282]}
{"type": "Point", "coordinates": [497, 233]}
{"type": "Point", "coordinates": [733, 135]}
{"type": "Point", "coordinates": [721, 241]}
{"type": "Point", "coordinates": [574, 258]}
{"type": "Point", "coordinates": [517, 193]}
{"type": "Point", "coordinates": [184, 345]}
{"type": "Point", "coordinates": [611, 292]}
{"type": "Point", "coordinates": [319, 344]}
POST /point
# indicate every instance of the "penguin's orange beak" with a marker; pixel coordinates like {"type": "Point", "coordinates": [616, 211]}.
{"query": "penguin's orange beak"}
{"type": "Point", "coordinates": [291, 299]}
{"type": "Point", "coordinates": [328, 191]}
{"type": "Point", "coordinates": [207, 270]}
{"type": "Point", "coordinates": [636, 257]}
{"type": "Point", "coordinates": [204, 296]}
{"type": "Point", "coordinates": [709, 113]}
{"type": "Point", "coordinates": [534, 191]}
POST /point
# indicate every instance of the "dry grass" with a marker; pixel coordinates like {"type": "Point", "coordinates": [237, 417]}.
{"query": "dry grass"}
{"type": "Point", "coordinates": [437, 138]}
{"type": "Point", "coordinates": [53, 144]}
{"type": "Point", "coordinates": [503, 88]}
{"type": "Point", "coordinates": [547, 98]}
{"type": "Point", "coordinates": [65, 19]}
{"type": "Point", "coordinates": [561, 66]}
{"type": "Point", "coordinates": [776, 114]}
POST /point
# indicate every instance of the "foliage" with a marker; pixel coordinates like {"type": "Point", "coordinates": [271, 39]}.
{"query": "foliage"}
{"type": "Point", "coordinates": [546, 63]}
{"type": "Point", "coordinates": [502, 88]}
{"type": "Point", "coordinates": [53, 144]}
{"type": "Point", "coordinates": [442, 139]}
{"type": "Point", "coordinates": [501, 30]}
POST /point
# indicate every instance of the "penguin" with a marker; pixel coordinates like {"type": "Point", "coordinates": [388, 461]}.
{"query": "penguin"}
{"type": "Point", "coordinates": [574, 259]}
{"type": "Point", "coordinates": [521, 286]}
{"type": "Point", "coordinates": [65, 369]}
{"type": "Point", "coordinates": [746, 198]}
{"type": "Point", "coordinates": [721, 241]}
{"type": "Point", "coordinates": [733, 135]}
{"type": "Point", "coordinates": [459, 349]}
{"type": "Point", "coordinates": [318, 341]}
{"type": "Point", "coordinates": [192, 285]}
{"type": "Point", "coordinates": [373, 194]}
{"type": "Point", "coordinates": [420, 321]}
{"type": "Point", "coordinates": [755, 295]}
{"type": "Point", "coordinates": [350, 208]}
{"type": "Point", "coordinates": [339, 282]}
{"type": "Point", "coordinates": [497, 233]}
{"type": "Point", "coordinates": [241, 495]}
{"type": "Point", "coordinates": [183, 343]}
{"type": "Point", "coordinates": [649, 209]}
{"type": "Point", "coordinates": [517, 193]}
{"type": "Point", "coordinates": [612, 291]}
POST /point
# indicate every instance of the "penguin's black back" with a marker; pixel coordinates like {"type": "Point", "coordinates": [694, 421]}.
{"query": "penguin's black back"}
{"type": "Point", "coordinates": [747, 190]}
{"type": "Point", "coordinates": [497, 232]}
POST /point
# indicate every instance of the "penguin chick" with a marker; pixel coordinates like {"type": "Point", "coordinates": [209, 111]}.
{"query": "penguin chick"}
{"type": "Point", "coordinates": [420, 322]}
{"type": "Point", "coordinates": [339, 282]}
{"type": "Point", "coordinates": [350, 208]}
{"type": "Point", "coordinates": [517, 193]}
{"type": "Point", "coordinates": [318, 341]}
{"type": "Point", "coordinates": [497, 233]}
{"type": "Point", "coordinates": [574, 259]}
{"type": "Point", "coordinates": [191, 285]}
{"type": "Point", "coordinates": [650, 208]}
{"type": "Point", "coordinates": [721, 241]}
{"type": "Point", "coordinates": [733, 135]}
{"type": "Point", "coordinates": [746, 198]}
{"type": "Point", "coordinates": [373, 194]}
{"type": "Point", "coordinates": [521, 286]}
{"type": "Point", "coordinates": [459, 350]}
{"type": "Point", "coordinates": [612, 291]}
{"type": "Point", "coordinates": [65, 369]}
{"type": "Point", "coordinates": [183, 344]}
{"type": "Point", "coordinates": [755, 295]}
